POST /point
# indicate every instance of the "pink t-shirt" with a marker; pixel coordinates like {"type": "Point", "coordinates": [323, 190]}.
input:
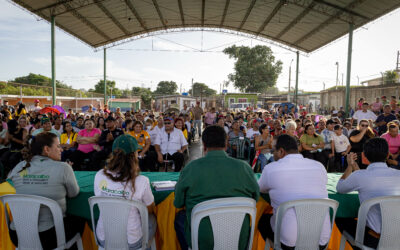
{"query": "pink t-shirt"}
{"type": "Point", "coordinates": [376, 106]}
{"type": "Point", "coordinates": [87, 148]}
{"type": "Point", "coordinates": [394, 142]}
{"type": "Point", "coordinates": [209, 118]}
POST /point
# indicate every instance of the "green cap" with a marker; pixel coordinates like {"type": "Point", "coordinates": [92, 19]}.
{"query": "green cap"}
{"type": "Point", "coordinates": [126, 143]}
{"type": "Point", "coordinates": [44, 120]}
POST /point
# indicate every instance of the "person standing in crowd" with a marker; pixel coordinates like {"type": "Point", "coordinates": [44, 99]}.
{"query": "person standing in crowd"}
{"type": "Point", "coordinates": [36, 107]}
{"type": "Point", "coordinates": [20, 111]}
{"type": "Point", "coordinates": [384, 119]}
{"type": "Point", "coordinates": [384, 100]}
{"type": "Point", "coordinates": [252, 133]}
{"type": "Point", "coordinates": [42, 173]}
{"type": "Point", "coordinates": [146, 158]}
{"type": "Point", "coordinates": [393, 103]}
{"type": "Point", "coordinates": [87, 140]}
{"type": "Point", "coordinates": [90, 112]}
{"type": "Point", "coordinates": [392, 137]}
{"type": "Point", "coordinates": [16, 137]}
{"type": "Point", "coordinates": [68, 141]}
{"type": "Point", "coordinates": [122, 175]}
{"type": "Point", "coordinates": [312, 144]}
{"type": "Point", "coordinates": [369, 184]}
{"type": "Point", "coordinates": [3, 140]}
{"type": "Point", "coordinates": [364, 113]}
{"type": "Point", "coordinates": [263, 142]}
{"type": "Point", "coordinates": [197, 113]}
{"type": "Point", "coordinates": [46, 127]}
{"type": "Point", "coordinates": [209, 118]}
{"type": "Point", "coordinates": [341, 148]}
{"type": "Point", "coordinates": [360, 103]}
{"type": "Point", "coordinates": [308, 181]}
{"type": "Point", "coordinates": [376, 106]}
{"type": "Point", "coordinates": [170, 144]}
{"type": "Point", "coordinates": [201, 180]}
{"type": "Point", "coordinates": [358, 138]}
{"type": "Point", "coordinates": [185, 110]}
{"type": "Point", "coordinates": [104, 147]}
{"type": "Point", "coordinates": [101, 123]}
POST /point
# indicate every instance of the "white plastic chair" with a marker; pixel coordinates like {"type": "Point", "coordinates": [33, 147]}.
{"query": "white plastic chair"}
{"type": "Point", "coordinates": [390, 229]}
{"type": "Point", "coordinates": [226, 216]}
{"type": "Point", "coordinates": [114, 213]}
{"type": "Point", "coordinates": [25, 213]}
{"type": "Point", "coordinates": [310, 214]}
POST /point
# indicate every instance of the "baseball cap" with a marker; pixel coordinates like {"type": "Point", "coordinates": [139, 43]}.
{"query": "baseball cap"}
{"type": "Point", "coordinates": [168, 119]}
{"type": "Point", "coordinates": [44, 120]}
{"type": "Point", "coordinates": [36, 101]}
{"type": "Point", "coordinates": [126, 143]}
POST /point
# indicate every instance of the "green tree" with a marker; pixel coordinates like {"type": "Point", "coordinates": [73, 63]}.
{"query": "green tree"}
{"type": "Point", "coordinates": [166, 88]}
{"type": "Point", "coordinates": [255, 68]}
{"type": "Point", "coordinates": [199, 88]}
{"type": "Point", "coordinates": [40, 80]}
{"type": "Point", "coordinates": [99, 88]}
{"type": "Point", "coordinates": [145, 94]}
{"type": "Point", "coordinates": [390, 77]}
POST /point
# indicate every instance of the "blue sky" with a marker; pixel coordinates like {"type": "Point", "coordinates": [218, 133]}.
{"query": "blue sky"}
{"type": "Point", "coordinates": [25, 48]}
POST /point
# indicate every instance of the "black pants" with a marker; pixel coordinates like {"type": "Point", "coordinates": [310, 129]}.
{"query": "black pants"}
{"type": "Point", "coordinates": [48, 238]}
{"type": "Point", "coordinates": [318, 156]}
{"type": "Point", "coordinates": [350, 225]}
{"type": "Point", "coordinates": [264, 226]}
{"type": "Point", "coordinates": [339, 164]}
{"type": "Point", "coordinates": [149, 162]}
{"type": "Point", "coordinates": [178, 159]}
{"type": "Point", "coordinates": [78, 158]}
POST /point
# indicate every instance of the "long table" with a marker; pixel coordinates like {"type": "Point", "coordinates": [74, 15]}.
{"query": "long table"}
{"type": "Point", "coordinates": [165, 211]}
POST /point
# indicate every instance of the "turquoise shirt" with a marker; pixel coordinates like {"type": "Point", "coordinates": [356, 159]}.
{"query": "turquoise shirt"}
{"type": "Point", "coordinates": [211, 177]}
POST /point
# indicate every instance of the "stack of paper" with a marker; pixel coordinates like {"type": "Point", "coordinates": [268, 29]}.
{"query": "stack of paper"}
{"type": "Point", "coordinates": [164, 185]}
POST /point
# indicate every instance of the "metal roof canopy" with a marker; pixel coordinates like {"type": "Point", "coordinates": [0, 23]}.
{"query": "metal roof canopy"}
{"type": "Point", "coordinates": [306, 25]}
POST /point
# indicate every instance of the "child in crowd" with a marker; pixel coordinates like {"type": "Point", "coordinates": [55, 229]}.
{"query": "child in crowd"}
{"type": "Point", "coordinates": [342, 147]}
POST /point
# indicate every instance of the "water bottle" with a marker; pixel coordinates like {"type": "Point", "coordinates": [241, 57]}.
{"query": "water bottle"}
{"type": "Point", "coordinates": [342, 160]}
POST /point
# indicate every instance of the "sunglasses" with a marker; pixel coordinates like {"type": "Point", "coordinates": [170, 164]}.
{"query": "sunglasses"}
{"type": "Point", "coordinates": [364, 126]}
{"type": "Point", "coordinates": [167, 123]}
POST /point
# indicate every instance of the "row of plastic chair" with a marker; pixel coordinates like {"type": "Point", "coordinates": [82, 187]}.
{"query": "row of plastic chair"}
{"type": "Point", "coordinates": [226, 216]}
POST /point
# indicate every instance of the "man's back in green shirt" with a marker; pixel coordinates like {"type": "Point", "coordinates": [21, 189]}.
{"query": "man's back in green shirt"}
{"type": "Point", "coordinates": [211, 177]}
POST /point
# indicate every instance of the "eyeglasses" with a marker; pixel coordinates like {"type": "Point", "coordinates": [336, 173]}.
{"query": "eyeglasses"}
{"type": "Point", "coordinates": [167, 123]}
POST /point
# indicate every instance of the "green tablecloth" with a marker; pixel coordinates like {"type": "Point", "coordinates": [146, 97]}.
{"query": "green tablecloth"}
{"type": "Point", "coordinates": [79, 206]}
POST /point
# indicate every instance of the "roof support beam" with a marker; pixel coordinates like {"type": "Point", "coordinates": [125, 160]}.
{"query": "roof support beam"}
{"type": "Point", "coordinates": [247, 14]}
{"type": "Point", "coordinates": [136, 14]}
{"type": "Point", "coordinates": [52, 6]}
{"type": "Point", "coordinates": [297, 19]}
{"type": "Point", "coordinates": [224, 14]}
{"type": "Point", "coordinates": [181, 11]}
{"type": "Point", "coordinates": [350, 12]}
{"type": "Point", "coordinates": [351, 5]}
{"type": "Point", "coordinates": [159, 13]}
{"type": "Point", "coordinates": [270, 16]}
{"type": "Point", "coordinates": [203, 10]}
{"type": "Point", "coordinates": [85, 21]}
{"type": "Point", "coordinates": [76, 8]}
{"type": "Point", "coordinates": [113, 19]}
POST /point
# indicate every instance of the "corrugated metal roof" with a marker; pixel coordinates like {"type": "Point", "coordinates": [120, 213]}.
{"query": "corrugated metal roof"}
{"type": "Point", "coordinates": [302, 24]}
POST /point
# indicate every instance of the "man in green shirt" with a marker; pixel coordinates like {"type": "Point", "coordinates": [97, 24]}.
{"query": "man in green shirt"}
{"type": "Point", "coordinates": [211, 177]}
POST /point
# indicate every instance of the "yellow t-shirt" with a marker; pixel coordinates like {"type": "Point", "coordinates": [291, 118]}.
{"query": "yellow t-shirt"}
{"type": "Point", "coordinates": [137, 137]}
{"type": "Point", "coordinates": [64, 138]}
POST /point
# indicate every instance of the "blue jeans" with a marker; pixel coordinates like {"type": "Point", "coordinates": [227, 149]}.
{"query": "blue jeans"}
{"type": "Point", "coordinates": [263, 160]}
{"type": "Point", "coordinates": [138, 244]}
{"type": "Point", "coordinates": [197, 126]}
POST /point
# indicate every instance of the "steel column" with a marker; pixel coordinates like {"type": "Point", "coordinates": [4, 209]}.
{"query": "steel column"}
{"type": "Point", "coordinates": [53, 58]}
{"type": "Point", "coordinates": [297, 77]}
{"type": "Point", "coordinates": [105, 77]}
{"type": "Point", "coordinates": [348, 74]}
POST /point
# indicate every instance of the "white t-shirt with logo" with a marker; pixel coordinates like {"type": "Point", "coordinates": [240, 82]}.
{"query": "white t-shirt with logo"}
{"type": "Point", "coordinates": [341, 142]}
{"type": "Point", "coordinates": [104, 186]}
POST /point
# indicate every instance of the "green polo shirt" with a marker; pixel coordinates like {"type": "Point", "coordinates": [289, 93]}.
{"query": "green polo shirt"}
{"type": "Point", "coordinates": [214, 176]}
